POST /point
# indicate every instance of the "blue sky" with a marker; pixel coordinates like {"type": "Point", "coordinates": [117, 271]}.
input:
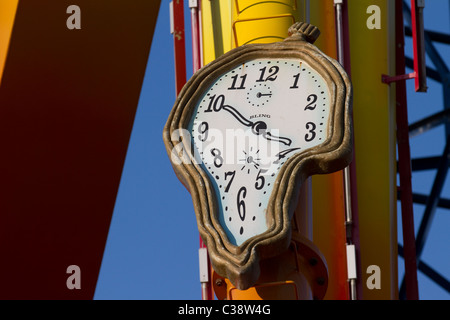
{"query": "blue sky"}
{"type": "Point", "coordinates": [152, 247]}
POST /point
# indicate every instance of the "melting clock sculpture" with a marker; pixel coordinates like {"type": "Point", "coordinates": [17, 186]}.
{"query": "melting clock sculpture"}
{"type": "Point", "coordinates": [245, 132]}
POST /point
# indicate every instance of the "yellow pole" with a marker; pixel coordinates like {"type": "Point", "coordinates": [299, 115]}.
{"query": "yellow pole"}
{"type": "Point", "coordinates": [372, 54]}
{"type": "Point", "coordinates": [230, 23]}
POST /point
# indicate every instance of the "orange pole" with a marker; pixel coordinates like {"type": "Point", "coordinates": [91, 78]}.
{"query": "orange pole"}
{"type": "Point", "coordinates": [328, 190]}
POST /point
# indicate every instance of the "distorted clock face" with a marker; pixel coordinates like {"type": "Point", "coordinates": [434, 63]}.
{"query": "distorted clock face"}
{"type": "Point", "coordinates": [246, 125]}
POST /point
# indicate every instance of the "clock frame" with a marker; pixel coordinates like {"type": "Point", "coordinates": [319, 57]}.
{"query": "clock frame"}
{"type": "Point", "coordinates": [240, 264]}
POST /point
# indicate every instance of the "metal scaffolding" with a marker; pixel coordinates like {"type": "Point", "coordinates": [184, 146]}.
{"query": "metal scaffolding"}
{"type": "Point", "coordinates": [434, 165]}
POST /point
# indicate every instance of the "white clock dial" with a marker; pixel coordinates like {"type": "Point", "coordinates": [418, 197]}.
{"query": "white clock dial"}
{"type": "Point", "coordinates": [247, 125]}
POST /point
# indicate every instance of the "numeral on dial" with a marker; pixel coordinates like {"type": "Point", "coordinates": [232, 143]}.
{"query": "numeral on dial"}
{"type": "Point", "coordinates": [312, 98]}
{"type": "Point", "coordinates": [235, 79]}
{"type": "Point", "coordinates": [218, 160]}
{"type": "Point", "coordinates": [259, 181]}
{"type": "Point", "coordinates": [241, 203]}
{"type": "Point", "coordinates": [311, 133]}
{"type": "Point", "coordinates": [203, 129]}
{"type": "Point", "coordinates": [215, 104]}
{"type": "Point", "coordinates": [272, 74]}
{"type": "Point", "coordinates": [232, 174]}
{"type": "Point", "coordinates": [295, 85]}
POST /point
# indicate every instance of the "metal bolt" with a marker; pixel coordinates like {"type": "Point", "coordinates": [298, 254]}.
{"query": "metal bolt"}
{"type": "Point", "coordinates": [320, 281]}
{"type": "Point", "coordinates": [219, 282]}
{"type": "Point", "coordinates": [313, 261]}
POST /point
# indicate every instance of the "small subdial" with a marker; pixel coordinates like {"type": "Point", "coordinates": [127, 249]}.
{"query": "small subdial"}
{"type": "Point", "coordinates": [259, 95]}
{"type": "Point", "coordinates": [251, 159]}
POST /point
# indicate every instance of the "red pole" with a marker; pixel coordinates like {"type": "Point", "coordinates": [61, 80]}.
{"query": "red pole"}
{"type": "Point", "coordinates": [417, 26]}
{"type": "Point", "coordinates": [404, 159]}
{"type": "Point", "coordinates": [177, 29]}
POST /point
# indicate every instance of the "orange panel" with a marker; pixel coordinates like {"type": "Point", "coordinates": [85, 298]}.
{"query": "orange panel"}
{"type": "Point", "coordinates": [68, 99]}
{"type": "Point", "coordinates": [7, 15]}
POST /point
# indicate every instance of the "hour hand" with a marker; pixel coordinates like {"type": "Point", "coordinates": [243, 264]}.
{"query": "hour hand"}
{"type": "Point", "coordinates": [239, 117]}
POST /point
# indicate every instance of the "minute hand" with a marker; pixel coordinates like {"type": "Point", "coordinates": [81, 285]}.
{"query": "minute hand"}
{"type": "Point", "coordinates": [258, 128]}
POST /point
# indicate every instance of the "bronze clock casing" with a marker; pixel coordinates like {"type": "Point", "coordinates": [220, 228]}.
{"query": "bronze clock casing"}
{"type": "Point", "coordinates": [240, 264]}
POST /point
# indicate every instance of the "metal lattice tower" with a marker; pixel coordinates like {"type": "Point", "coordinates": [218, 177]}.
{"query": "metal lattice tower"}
{"type": "Point", "coordinates": [431, 168]}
